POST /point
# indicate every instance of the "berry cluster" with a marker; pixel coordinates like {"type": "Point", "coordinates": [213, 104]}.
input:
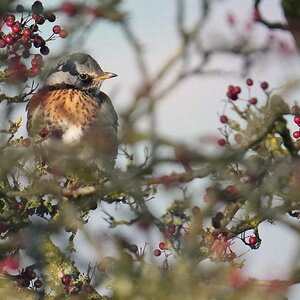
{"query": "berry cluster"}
{"type": "Point", "coordinates": [18, 36]}
{"type": "Point", "coordinates": [296, 134]}
{"type": "Point", "coordinates": [28, 277]}
{"type": "Point", "coordinates": [161, 247]}
{"type": "Point", "coordinates": [233, 94]}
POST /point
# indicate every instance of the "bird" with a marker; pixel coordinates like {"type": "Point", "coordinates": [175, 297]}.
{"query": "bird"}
{"type": "Point", "coordinates": [71, 110]}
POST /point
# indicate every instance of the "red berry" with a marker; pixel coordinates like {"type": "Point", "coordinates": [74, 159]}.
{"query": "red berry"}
{"type": "Point", "coordinates": [38, 41]}
{"type": "Point", "coordinates": [38, 283]}
{"type": "Point", "coordinates": [237, 90]}
{"type": "Point", "coordinates": [162, 245]}
{"type": "Point", "coordinates": [221, 142]}
{"type": "Point", "coordinates": [230, 189]}
{"type": "Point", "coordinates": [56, 29]}
{"type": "Point", "coordinates": [264, 85]}
{"type": "Point", "coordinates": [16, 28]}
{"type": "Point", "coordinates": [252, 240]}
{"type": "Point", "coordinates": [70, 288]}
{"type": "Point", "coordinates": [223, 119]}
{"type": "Point", "coordinates": [66, 279]}
{"type": "Point", "coordinates": [3, 43]}
{"type": "Point", "coordinates": [253, 101]}
{"type": "Point", "coordinates": [296, 134]}
{"type": "Point", "coordinates": [10, 20]}
{"type": "Point", "coordinates": [26, 32]}
{"type": "Point", "coordinates": [63, 34]}
{"type": "Point", "coordinates": [297, 119]}
{"type": "Point", "coordinates": [157, 252]}
{"type": "Point", "coordinates": [9, 39]}
{"type": "Point", "coordinates": [20, 206]}
{"type": "Point", "coordinates": [249, 82]}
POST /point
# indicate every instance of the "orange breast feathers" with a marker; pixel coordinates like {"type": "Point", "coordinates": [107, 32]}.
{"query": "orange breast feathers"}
{"type": "Point", "coordinates": [60, 108]}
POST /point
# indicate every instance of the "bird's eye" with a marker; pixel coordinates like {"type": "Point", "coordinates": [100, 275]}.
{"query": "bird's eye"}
{"type": "Point", "coordinates": [84, 77]}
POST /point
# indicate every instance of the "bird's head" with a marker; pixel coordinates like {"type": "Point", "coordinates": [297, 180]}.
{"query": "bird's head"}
{"type": "Point", "coordinates": [79, 71]}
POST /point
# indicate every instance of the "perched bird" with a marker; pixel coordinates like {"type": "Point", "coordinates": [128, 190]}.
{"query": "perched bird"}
{"type": "Point", "coordinates": [70, 109]}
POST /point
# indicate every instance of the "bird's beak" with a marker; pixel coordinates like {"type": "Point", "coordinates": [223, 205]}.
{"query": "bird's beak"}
{"type": "Point", "coordinates": [104, 76]}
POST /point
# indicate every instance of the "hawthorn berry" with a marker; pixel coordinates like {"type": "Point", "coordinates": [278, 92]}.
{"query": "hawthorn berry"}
{"type": "Point", "coordinates": [230, 189]}
{"type": "Point", "coordinates": [253, 101]}
{"type": "Point", "coordinates": [44, 50]}
{"type": "Point", "coordinates": [296, 134]}
{"type": "Point", "coordinates": [63, 33]}
{"type": "Point", "coordinates": [221, 142]}
{"type": "Point", "coordinates": [50, 16]}
{"type": "Point", "coordinates": [56, 29]}
{"type": "Point", "coordinates": [162, 245]}
{"type": "Point", "coordinates": [157, 252]}
{"type": "Point", "coordinates": [249, 82]}
{"type": "Point", "coordinates": [264, 85]}
{"type": "Point", "coordinates": [66, 279]}
{"type": "Point", "coordinates": [16, 28]}
{"type": "Point", "coordinates": [3, 43]}
{"type": "Point", "coordinates": [37, 7]}
{"type": "Point", "coordinates": [26, 32]}
{"type": "Point", "coordinates": [70, 288]}
{"type": "Point", "coordinates": [38, 41]}
{"type": "Point", "coordinates": [10, 20]}
{"type": "Point", "coordinates": [38, 283]}
{"type": "Point", "coordinates": [223, 119]}
{"type": "Point", "coordinates": [20, 206]}
{"type": "Point", "coordinates": [297, 120]}
{"type": "Point", "coordinates": [19, 8]}
{"type": "Point", "coordinates": [9, 39]}
{"type": "Point", "coordinates": [252, 240]}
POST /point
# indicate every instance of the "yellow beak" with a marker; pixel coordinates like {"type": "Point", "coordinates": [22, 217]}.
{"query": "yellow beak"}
{"type": "Point", "coordinates": [105, 75]}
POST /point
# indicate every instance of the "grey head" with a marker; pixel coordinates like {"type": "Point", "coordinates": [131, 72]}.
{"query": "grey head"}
{"type": "Point", "coordinates": [79, 71]}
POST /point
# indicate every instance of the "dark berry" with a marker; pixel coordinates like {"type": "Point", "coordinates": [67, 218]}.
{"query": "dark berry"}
{"type": "Point", "coordinates": [157, 252]}
{"type": "Point", "coordinates": [38, 41]}
{"type": "Point", "coordinates": [3, 43]}
{"type": "Point", "coordinates": [19, 8]}
{"type": "Point", "coordinates": [249, 82]}
{"type": "Point", "coordinates": [37, 7]}
{"type": "Point", "coordinates": [44, 50]}
{"type": "Point", "coordinates": [50, 16]}
{"type": "Point", "coordinates": [264, 85]}
{"type": "Point", "coordinates": [40, 20]}
{"type": "Point", "coordinates": [38, 283]}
